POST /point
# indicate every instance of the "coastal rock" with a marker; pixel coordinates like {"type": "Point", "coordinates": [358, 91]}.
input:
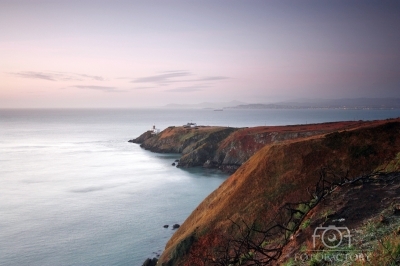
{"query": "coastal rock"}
{"type": "Point", "coordinates": [150, 262]}
{"type": "Point", "coordinates": [175, 226]}
{"type": "Point", "coordinates": [195, 145]}
{"type": "Point", "coordinates": [166, 226]}
{"type": "Point", "coordinates": [146, 135]}
{"type": "Point", "coordinates": [210, 164]}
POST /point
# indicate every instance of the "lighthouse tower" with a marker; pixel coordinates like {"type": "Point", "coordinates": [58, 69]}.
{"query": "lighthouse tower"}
{"type": "Point", "coordinates": [155, 130]}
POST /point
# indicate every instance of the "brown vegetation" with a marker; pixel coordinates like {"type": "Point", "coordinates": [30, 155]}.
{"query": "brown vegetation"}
{"type": "Point", "coordinates": [279, 174]}
{"type": "Point", "coordinates": [228, 148]}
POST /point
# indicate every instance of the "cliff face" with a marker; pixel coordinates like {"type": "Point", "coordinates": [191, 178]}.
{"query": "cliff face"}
{"type": "Point", "coordinates": [239, 146]}
{"type": "Point", "coordinates": [228, 148]}
{"type": "Point", "coordinates": [277, 175]}
{"type": "Point", "coordinates": [196, 144]}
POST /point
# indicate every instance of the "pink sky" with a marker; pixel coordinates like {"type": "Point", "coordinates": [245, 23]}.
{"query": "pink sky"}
{"type": "Point", "coordinates": [151, 53]}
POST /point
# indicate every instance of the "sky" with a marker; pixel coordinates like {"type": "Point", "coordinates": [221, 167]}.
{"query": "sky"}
{"type": "Point", "coordinates": [129, 54]}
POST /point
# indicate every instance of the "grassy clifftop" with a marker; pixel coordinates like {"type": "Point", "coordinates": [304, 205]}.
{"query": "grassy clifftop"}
{"type": "Point", "coordinates": [228, 148]}
{"type": "Point", "coordinates": [277, 176]}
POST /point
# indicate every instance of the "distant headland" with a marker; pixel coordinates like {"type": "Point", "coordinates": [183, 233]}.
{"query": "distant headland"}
{"type": "Point", "coordinates": [227, 148]}
{"type": "Point", "coordinates": [291, 185]}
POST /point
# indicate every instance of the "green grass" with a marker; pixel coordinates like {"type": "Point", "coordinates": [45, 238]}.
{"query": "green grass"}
{"type": "Point", "coordinates": [305, 224]}
{"type": "Point", "coordinates": [290, 262]}
{"type": "Point", "coordinates": [392, 166]}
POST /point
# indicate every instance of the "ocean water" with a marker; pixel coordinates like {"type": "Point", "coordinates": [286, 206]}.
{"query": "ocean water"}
{"type": "Point", "coordinates": [73, 191]}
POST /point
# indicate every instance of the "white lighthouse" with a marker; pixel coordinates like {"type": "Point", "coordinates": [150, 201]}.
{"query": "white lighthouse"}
{"type": "Point", "coordinates": [155, 130]}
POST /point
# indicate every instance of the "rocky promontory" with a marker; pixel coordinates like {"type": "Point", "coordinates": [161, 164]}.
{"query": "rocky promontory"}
{"type": "Point", "coordinates": [269, 210]}
{"type": "Point", "coordinates": [196, 144]}
{"type": "Point", "coordinates": [227, 148]}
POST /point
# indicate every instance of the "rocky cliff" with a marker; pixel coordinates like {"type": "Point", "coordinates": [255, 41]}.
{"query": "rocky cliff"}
{"type": "Point", "coordinates": [228, 148]}
{"type": "Point", "coordinates": [262, 205]}
{"type": "Point", "coordinates": [196, 144]}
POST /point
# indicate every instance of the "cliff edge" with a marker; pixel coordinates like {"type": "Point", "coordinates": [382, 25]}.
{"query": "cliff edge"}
{"type": "Point", "coordinates": [275, 190]}
{"type": "Point", "coordinates": [228, 148]}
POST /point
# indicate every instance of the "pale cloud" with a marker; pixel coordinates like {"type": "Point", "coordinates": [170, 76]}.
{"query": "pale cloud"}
{"type": "Point", "coordinates": [143, 88]}
{"type": "Point", "coordinates": [98, 78]}
{"type": "Point", "coordinates": [98, 88]}
{"type": "Point", "coordinates": [162, 78]}
{"type": "Point", "coordinates": [34, 75]}
{"type": "Point", "coordinates": [56, 76]}
{"type": "Point", "coordinates": [212, 78]}
{"type": "Point", "coordinates": [181, 76]}
{"type": "Point", "coordinates": [189, 88]}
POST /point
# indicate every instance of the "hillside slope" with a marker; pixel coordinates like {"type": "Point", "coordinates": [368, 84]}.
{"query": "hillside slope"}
{"type": "Point", "coordinates": [228, 148]}
{"type": "Point", "coordinates": [278, 175]}
{"type": "Point", "coordinates": [367, 209]}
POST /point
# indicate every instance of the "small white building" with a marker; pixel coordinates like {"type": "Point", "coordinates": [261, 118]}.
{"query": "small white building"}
{"type": "Point", "coordinates": [190, 125]}
{"type": "Point", "coordinates": [155, 130]}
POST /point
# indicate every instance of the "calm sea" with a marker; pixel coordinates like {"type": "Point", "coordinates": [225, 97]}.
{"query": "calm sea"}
{"type": "Point", "coordinates": [73, 191]}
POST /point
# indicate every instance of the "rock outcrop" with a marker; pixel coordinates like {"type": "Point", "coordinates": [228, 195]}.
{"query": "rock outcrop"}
{"type": "Point", "coordinates": [146, 135]}
{"type": "Point", "coordinates": [175, 226]}
{"type": "Point", "coordinates": [278, 175]}
{"type": "Point", "coordinates": [150, 262]}
{"type": "Point", "coordinates": [196, 145]}
{"type": "Point", "coordinates": [228, 148]}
